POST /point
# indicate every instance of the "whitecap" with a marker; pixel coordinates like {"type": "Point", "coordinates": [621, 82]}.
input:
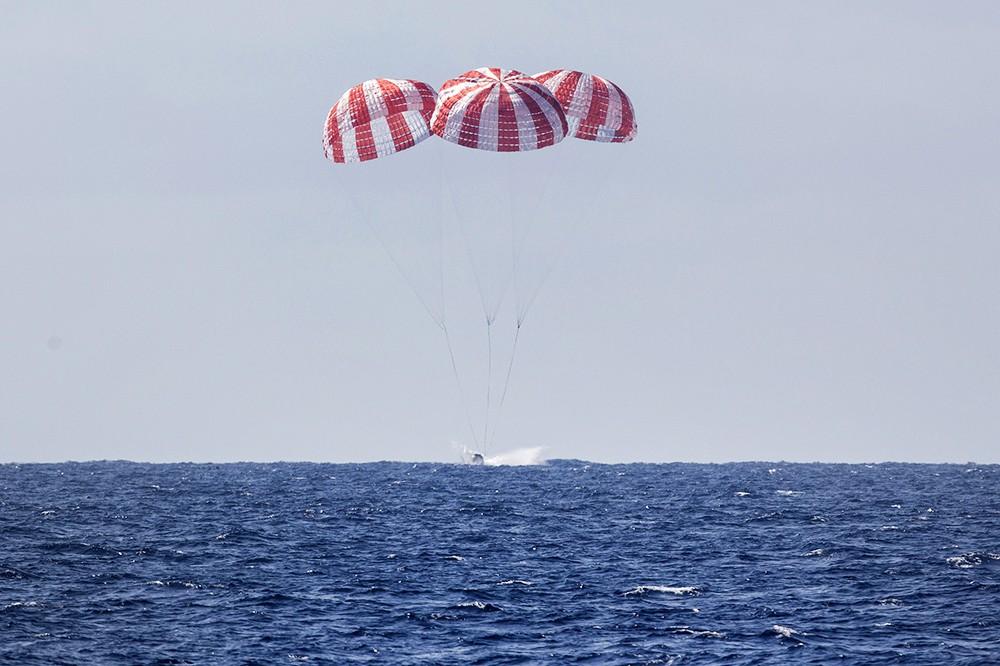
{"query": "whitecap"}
{"type": "Point", "coordinates": [741, 493]}
{"type": "Point", "coordinates": [514, 581]}
{"type": "Point", "coordinates": [786, 632]}
{"type": "Point", "coordinates": [689, 590]}
{"type": "Point", "coordinates": [969, 560]}
{"type": "Point", "coordinates": [815, 553]}
{"type": "Point", "coordinates": [175, 583]}
{"type": "Point", "coordinates": [478, 605]}
{"type": "Point", "coordinates": [457, 558]}
{"type": "Point", "coordinates": [787, 493]}
{"type": "Point", "coordinates": [697, 633]}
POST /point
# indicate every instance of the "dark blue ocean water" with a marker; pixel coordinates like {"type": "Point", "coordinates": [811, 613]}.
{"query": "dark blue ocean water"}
{"type": "Point", "coordinates": [439, 564]}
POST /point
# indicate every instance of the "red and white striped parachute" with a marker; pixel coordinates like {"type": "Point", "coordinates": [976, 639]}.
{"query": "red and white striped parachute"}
{"type": "Point", "coordinates": [377, 118]}
{"type": "Point", "coordinates": [597, 109]}
{"type": "Point", "coordinates": [499, 110]}
{"type": "Point", "coordinates": [486, 245]}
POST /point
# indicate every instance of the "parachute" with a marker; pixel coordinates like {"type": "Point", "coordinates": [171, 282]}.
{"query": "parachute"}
{"type": "Point", "coordinates": [472, 235]}
{"type": "Point", "coordinates": [499, 110]}
{"type": "Point", "coordinates": [377, 118]}
{"type": "Point", "coordinates": [597, 109]}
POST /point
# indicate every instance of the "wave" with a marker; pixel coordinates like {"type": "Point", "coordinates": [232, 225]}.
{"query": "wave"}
{"type": "Point", "coordinates": [176, 584]}
{"type": "Point", "coordinates": [479, 605]}
{"type": "Point", "coordinates": [786, 633]}
{"type": "Point", "coordinates": [14, 573]}
{"type": "Point", "coordinates": [697, 633]}
{"type": "Point", "coordinates": [565, 561]}
{"type": "Point", "coordinates": [969, 560]}
{"type": "Point", "coordinates": [642, 590]}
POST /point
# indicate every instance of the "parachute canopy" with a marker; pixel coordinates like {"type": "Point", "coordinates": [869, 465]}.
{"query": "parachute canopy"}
{"type": "Point", "coordinates": [377, 118]}
{"type": "Point", "coordinates": [499, 110]}
{"type": "Point", "coordinates": [597, 109]}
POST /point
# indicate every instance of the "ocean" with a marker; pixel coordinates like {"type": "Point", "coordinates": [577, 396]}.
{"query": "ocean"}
{"type": "Point", "coordinates": [564, 563]}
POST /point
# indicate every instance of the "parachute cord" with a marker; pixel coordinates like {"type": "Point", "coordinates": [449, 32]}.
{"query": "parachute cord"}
{"type": "Point", "coordinates": [514, 247]}
{"type": "Point", "coordinates": [468, 250]}
{"type": "Point", "coordinates": [541, 283]}
{"type": "Point", "coordinates": [437, 319]}
{"type": "Point", "coordinates": [513, 251]}
{"type": "Point", "coordinates": [441, 238]}
{"type": "Point", "coordinates": [489, 381]}
{"type": "Point", "coordinates": [506, 381]}
{"type": "Point", "coordinates": [462, 398]}
{"type": "Point", "coordinates": [458, 383]}
{"type": "Point", "coordinates": [593, 194]}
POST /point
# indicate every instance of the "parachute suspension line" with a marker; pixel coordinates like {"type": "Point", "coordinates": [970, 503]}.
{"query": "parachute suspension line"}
{"type": "Point", "coordinates": [522, 313]}
{"type": "Point", "coordinates": [441, 236]}
{"type": "Point", "coordinates": [490, 310]}
{"type": "Point", "coordinates": [594, 194]}
{"type": "Point", "coordinates": [437, 319]}
{"type": "Point", "coordinates": [458, 384]}
{"type": "Point", "coordinates": [462, 398]}
{"type": "Point", "coordinates": [518, 240]}
{"type": "Point", "coordinates": [489, 314]}
{"type": "Point", "coordinates": [514, 252]}
{"type": "Point", "coordinates": [468, 253]}
{"type": "Point", "coordinates": [513, 246]}
{"type": "Point", "coordinates": [489, 381]}
{"type": "Point", "coordinates": [523, 305]}
{"type": "Point", "coordinates": [506, 381]}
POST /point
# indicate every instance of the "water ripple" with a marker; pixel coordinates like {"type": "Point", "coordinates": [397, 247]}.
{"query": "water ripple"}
{"type": "Point", "coordinates": [568, 563]}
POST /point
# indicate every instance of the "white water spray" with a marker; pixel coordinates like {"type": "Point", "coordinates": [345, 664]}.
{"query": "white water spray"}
{"type": "Point", "coordinates": [530, 455]}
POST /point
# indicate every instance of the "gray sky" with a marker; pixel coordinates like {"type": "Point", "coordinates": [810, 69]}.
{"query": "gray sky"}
{"type": "Point", "coordinates": [796, 259]}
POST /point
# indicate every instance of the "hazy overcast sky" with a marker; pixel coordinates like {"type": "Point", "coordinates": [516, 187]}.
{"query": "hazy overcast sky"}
{"type": "Point", "coordinates": [802, 262]}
